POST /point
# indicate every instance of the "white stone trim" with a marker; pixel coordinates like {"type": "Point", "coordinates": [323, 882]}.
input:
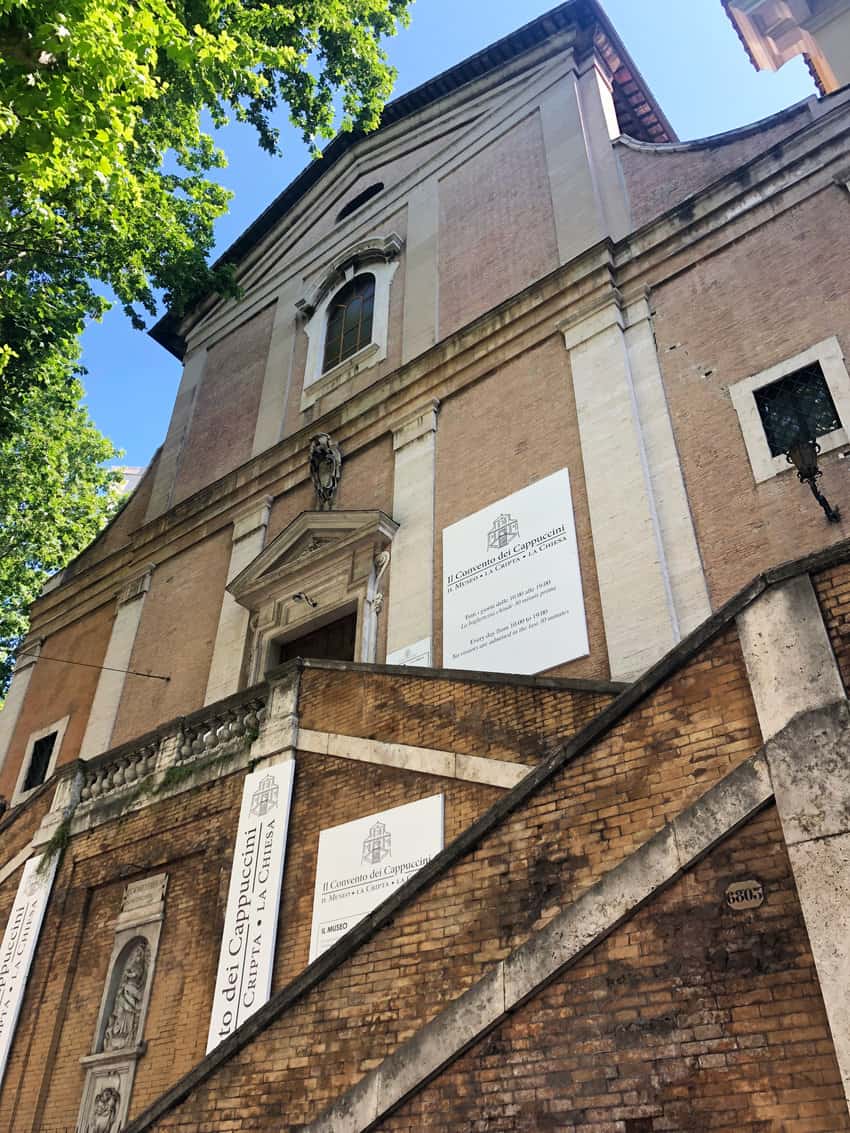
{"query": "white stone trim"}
{"type": "Point", "coordinates": [318, 383]}
{"type": "Point", "coordinates": [411, 604]}
{"type": "Point", "coordinates": [831, 359]}
{"type": "Point", "coordinates": [11, 709]}
{"type": "Point", "coordinates": [578, 927]}
{"type": "Point", "coordinates": [638, 607]}
{"type": "Point", "coordinates": [424, 760]}
{"type": "Point", "coordinates": [113, 675]}
{"type": "Point", "coordinates": [58, 726]}
{"type": "Point", "coordinates": [789, 658]}
{"type": "Point", "coordinates": [249, 537]}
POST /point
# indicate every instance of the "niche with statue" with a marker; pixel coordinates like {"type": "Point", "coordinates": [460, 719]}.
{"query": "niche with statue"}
{"type": "Point", "coordinates": [119, 1036]}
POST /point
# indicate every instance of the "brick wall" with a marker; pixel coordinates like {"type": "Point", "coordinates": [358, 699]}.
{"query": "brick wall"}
{"type": "Point", "coordinates": [514, 427]}
{"type": "Point", "coordinates": [498, 719]}
{"type": "Point", "coordinates": [832, 587]}
{"type": "Point", "coordinates": [117, 534]}
{"type": "Point", "coordinates": [497, 228]}
{"type": "Point", "coordinates": [690, 1017]}
{"type": "Point", "coordinates": [717, 323]}
{"type": "Point", "coordinates": [175, 638]}
{"type": "Point", "coordinates": [586, 818]}
{"type": "Point", "coordinates": [56, 690]}
{"type": "Point", "coordinates": [221, 432]}
{"type": "Point", "coordinates": [659, 179]}
{"type": "Point", "coordinates": [191, 838]}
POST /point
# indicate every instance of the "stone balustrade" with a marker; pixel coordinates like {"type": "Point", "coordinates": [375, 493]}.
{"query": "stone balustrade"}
{"type": "Point", "coordinates": [220, 732]}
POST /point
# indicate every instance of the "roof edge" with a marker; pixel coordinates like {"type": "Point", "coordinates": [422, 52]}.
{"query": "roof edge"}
{"type": "Point", "coordinates": [586, 15]}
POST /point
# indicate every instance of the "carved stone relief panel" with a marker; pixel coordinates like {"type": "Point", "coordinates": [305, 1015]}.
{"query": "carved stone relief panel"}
{"type": "Point", "coordinates": [119, 1036]}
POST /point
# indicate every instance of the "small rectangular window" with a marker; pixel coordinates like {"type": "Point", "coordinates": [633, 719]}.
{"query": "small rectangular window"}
{"type": "Point", "coordinates": [796, 405]}
{"type": "Point", "coordinates": [39, 761]}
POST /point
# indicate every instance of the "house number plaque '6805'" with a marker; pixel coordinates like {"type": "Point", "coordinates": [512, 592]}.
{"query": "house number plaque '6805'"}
{"type": "Point", "coordinates": [745, 894]}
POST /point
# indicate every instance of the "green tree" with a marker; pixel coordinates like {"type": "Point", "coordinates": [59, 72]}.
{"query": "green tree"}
{"type": "Point", "coordinates": [104, 164]}
{"type": "Point", "coordinates": [55, 495]}
{"type": "Point", "coordinates": [104, 157]}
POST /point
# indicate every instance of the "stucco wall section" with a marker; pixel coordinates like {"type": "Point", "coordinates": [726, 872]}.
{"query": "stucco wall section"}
{"type": "Point", "coordinates": [57, 690]}
{"type": "Point", "coordinates": [221, 433]}
{"type": "Point", "coordinates": [718, 323]}
{"type": "Point", "coordinates": [497, 227]}
{"type": "Point", "coordinates": [175, 638]}
{"type": "Point", "coordinates": [491, 442]}
{"type": "Point", "coordinates": [659, 179]}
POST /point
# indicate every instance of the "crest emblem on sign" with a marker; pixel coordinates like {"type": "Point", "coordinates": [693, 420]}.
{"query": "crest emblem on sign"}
{"type": "Point", "coordinates": [504, 530]}
{"type": "Point", "coordinates": [265, 797]}
{"type": "Point", "coordinates": [377, 844]}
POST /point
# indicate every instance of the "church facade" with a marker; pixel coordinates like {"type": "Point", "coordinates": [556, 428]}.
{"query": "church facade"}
{"type": "Point", "coordinates": [447, 732]}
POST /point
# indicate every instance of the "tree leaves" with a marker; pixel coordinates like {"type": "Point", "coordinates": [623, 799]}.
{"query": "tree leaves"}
{"type": "Point", "coordinates": [55, 495]}
{"type": "Point", "coordinates": [103, 164]}
{"type": "Point", "coordinates": [103, 155]}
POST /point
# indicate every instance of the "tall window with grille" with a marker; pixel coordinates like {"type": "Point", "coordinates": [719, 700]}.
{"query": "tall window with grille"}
{"type": "Point", "coordinates": [798, 405]}
{"type": "Point", "coordinates": [349, 326]}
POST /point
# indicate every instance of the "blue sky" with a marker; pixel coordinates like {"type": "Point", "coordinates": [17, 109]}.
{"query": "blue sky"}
{"type": "Point", "coordinates": [686, 50]}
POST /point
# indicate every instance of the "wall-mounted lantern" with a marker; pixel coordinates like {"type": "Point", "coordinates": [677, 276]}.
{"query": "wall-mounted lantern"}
{"type": "Point", "coordinates": [803, 454]}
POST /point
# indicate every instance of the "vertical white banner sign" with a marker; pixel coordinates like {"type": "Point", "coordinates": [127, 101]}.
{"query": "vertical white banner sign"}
{"type": "Point", "coordinates": [512, 595]}
{"type": "Point", "coordinates": [361, 862]}
{"type": "Point", "coordinates": [246, 958]}
{"type": "Point", "coordinates": [18, 947]}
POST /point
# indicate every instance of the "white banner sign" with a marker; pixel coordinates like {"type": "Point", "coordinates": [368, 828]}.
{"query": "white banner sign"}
{"type": "Point", "coordinates": [18, 947]}
{"type": "Point", "coordinates": [512, 596]}
{"type": "Point", "coordinates": [360, 863]}
{"type": "Point", "coordinates": [246, 957]}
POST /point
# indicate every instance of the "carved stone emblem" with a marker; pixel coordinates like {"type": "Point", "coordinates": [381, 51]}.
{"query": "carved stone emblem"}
{"type": "Point", "coordinates": [325, 469]}
{"type": "Point", "coordinates": [122, 1027]}
{"type": "Point", "coordinates": [104, 1118]}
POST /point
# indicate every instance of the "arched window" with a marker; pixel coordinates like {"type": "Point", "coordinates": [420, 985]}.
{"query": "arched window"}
{"type": "Point", "coordinates": [349, 326]}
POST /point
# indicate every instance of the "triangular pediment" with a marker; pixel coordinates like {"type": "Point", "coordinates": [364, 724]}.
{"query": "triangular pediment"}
{"type": "Point", "coordinates": [310, 543]}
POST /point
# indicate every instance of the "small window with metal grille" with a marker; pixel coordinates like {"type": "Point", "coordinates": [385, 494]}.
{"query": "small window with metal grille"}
{"type": "Point", "coordinates": [797, 405]}
{"type": "Point", "coordinates": [42, 750]}
{"type": "Point", "coordinates": [349, 326]}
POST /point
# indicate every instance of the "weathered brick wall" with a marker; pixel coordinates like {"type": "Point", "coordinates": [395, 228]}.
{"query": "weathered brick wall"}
{"type": "Point", "coordinates": [584, 820]}
{"type": "Point", "coordinates": [191, 838]}
{"type": "Point", "coordinates": [832, 587]}
{"type": "Point", "coordinates": [117, 534]}
{"type": "Point", "coordinates": [175, 638]}
{"type": "Point", "coordinates": [57, 690]}
{"type": "Point", "coordinates": [16, 831]}
{"type": "Point", "coordinates": [516, 426]}
{"type": "Point", "coordinates": [716, 323]}
{"type": "Point", "coordinates": [659, 179]}
{"type": "Point", "coordinates": [690, 1017]}
{"type": "Point", "coordinates": [504, 720]}
{"type": "Point", "coordinates": [497, 227]}
{"type": "Point", "coordinates": [221, 431]}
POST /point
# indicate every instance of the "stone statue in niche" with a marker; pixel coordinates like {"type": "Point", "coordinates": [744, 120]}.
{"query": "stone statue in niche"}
{"type": "Point", "coordinates": [123, 1021]}
{"type": "Point", "coordinates": [325, 469]}
{"type": "Point", "coordinates": [104, 1118]}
